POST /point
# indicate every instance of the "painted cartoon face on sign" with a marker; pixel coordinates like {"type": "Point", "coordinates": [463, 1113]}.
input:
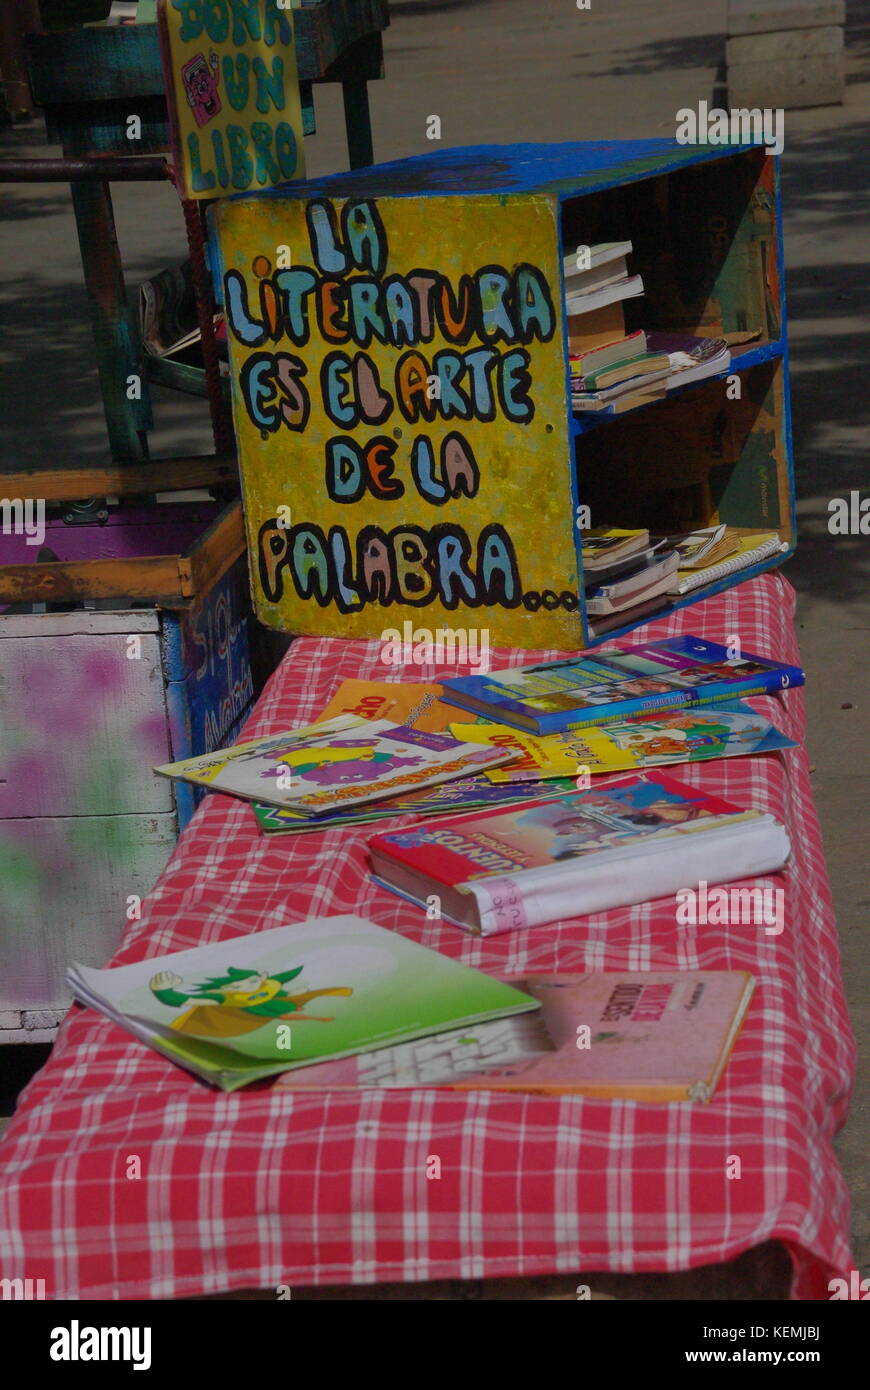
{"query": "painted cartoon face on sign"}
{"type": "Point", "coordinates": [235, 113]}
{"type": "Point", "coordinates": [201, 86]}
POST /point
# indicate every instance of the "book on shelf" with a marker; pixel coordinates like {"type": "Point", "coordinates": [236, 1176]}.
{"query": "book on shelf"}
{"type": "Point", "coordinates": [675, 672]}
{"type": "Point", "coordinates": [650, 608]}
{"type": "Point", "coordinates": [640, 366]}
{"type": "Point", "coordinates": [341, 762]}
{"type": "Point", "coordinates": [750, 550]}
{"type": "Point", "coordinates": [670, 361]}
{"type": "Point", "coordinates": [611, 254]}
{"type": "Point", "coordinates": [725, 730]}
{"type": "Point", "coordinates": [628, 288]}
{"type": "Point", "coordinates": [626, 842]}
{"type": "Point", "coordinates": [654, 1035]}
{"type": "Point", "coordinates": [691, 359]}
{"type": "Point", "coordinates": [595, 329]}
{"type": "Point", "coordinates": [252, 1006]}
{"type": "Point", "coordinates": [621, 568]}
{"type": "Point", "coordinates": [596, 359]}
{"type": "Point", "coordinates": [604, 546]}
{"type": "Point", "coordinates": [705, 546]}
{"type": "Point", "coordinates": [619, 402]}
{"type": "Point", "coordinates": [651, 578]}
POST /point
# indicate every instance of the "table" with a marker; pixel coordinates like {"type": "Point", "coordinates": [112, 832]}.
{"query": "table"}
{"type": "Point", "coordinates": [262, 1187]}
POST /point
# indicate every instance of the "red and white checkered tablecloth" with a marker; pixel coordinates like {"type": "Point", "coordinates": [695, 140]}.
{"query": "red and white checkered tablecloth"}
{"type": "Point", "coordinates": [262, 1187]}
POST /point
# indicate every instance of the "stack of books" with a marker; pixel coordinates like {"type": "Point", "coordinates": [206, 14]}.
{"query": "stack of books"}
{"type": "Point", "coordinates": [611, 371]}
{"type": "Point", "coordinates": [629, 575]}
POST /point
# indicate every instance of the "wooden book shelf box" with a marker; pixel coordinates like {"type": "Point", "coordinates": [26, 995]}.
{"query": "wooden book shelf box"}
{"type": "Point", "coordinates": [495, 542]}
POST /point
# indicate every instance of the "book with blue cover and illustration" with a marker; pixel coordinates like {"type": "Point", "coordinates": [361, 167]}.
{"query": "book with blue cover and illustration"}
{"type": "Point", "coordinates": [676, 672]}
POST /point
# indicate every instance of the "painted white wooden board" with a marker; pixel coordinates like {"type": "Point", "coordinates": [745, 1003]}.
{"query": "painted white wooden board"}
{"type": "Point", "coordinates": [65, 888]}
{"type": "Point", "coordinates": [83, 621]}
{"type": "Point", "coordinates": [82, 724]}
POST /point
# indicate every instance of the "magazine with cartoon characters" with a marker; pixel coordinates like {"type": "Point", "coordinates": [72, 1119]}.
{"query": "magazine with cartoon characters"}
{"type": "Point", "coordinates": [627, 841]}
{"type": "Point", "coordinates": [470, 793]}
{"type": "Point", "coordinates": [681, 736]}
{"type": "Point", "coordinates": [339, 762]}
{"type": "Point", "coordinates": [255, 1005]}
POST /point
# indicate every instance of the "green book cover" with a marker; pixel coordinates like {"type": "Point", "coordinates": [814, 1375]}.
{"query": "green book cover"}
{"type": "Point", "coordinates": [253, 1006]}
{"type": "Point", "coordinates": [591, 380]}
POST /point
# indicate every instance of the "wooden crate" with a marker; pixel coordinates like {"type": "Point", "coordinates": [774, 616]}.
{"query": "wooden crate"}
{"type": "Point", "coordinates": [372, 500]}
{"type": "Point", "coordinates": [91, 700]}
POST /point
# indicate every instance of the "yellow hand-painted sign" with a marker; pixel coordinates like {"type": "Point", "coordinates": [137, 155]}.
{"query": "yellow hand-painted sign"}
{"type": "Point", "coordinates": [399, 392]}
{"type": "Point", "coordinates": [233, 94]}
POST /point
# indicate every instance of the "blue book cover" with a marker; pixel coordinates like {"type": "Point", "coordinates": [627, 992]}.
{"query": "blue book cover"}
{"type": "Point", "coordinates": [676, 672]}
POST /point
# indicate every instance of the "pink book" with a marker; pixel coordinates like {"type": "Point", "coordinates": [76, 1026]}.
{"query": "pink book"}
{"type": "Point", "coordinates": [661, 1035]}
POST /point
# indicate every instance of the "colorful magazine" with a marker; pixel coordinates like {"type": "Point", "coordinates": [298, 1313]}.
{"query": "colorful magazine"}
{"type": "Point", "coordinates": [233, 1012]}
{"type": "Point", "coordinates": [662, 1035]}
{"type": "Point", "coordinates": [340, 762]}
{"type": "Point", "coordinates": [628, 841]}
{"type": "Point", "coordinates": [682, 736]}
{"type": "Point", "coordinates": [416, 704]}
{"type": "Point", "coordinates": [471, 793]}
{"type": "Point", "coordinates": [596, 689]}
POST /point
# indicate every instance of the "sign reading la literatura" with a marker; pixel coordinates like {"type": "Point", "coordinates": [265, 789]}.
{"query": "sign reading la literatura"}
{"type": "Point", "coordinates": [235, 112]}
{"type": "Point", "coordinates": [399, 395]}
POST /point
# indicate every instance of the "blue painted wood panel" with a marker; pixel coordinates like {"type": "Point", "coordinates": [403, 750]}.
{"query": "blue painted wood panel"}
{"type": "Point", "coordinates": [207, 667]}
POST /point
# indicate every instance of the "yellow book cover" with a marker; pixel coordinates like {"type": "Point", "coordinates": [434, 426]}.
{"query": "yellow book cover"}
{"type": "Point", "coordinates": [676, 736]}
{"type": "Point", "coordinates": [416, 704]}
{"type": "Point", "coordinates": [549, 755]}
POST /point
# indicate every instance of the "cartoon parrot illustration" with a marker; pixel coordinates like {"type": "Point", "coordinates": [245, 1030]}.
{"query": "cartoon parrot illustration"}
{"type": "Point", "coordinates": [240, 1001]}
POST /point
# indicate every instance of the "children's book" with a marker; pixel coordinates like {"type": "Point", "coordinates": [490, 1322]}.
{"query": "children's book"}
{"type": "Point", "coordinates": [682, 736]}
{"type": "Point", "coordinates": [346, 761]}
{"type": "Point", "coordinates": [596, 689]}
{"type": "Point", "coordinates": [663, 1035]}
{"type": "Point", "coordinates": [626, 842]}
{"type": "Point", "coordinates": [471, 793]}
{"type": "Point", "coordinates": [415, 704]}
{"type": "Point", "coordinates": [255, 1005]}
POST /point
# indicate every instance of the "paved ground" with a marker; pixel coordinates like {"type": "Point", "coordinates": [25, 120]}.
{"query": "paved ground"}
{"type": "Point", "coordinates": [507, 70]}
